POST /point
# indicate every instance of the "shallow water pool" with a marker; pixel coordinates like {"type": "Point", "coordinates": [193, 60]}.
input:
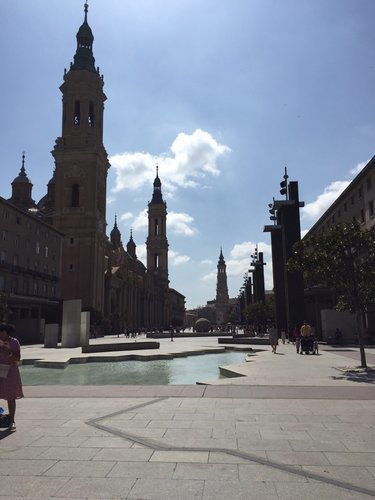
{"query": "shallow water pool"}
{"type": "Point", "coordinates": [187, 370]}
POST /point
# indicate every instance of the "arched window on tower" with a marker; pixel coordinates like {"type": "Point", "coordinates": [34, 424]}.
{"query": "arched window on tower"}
{"type": "Point", "coordinates": [156, 227]}
{"type": "Point", "coordinates": [156, 261]}
{"type": "Point", "coordinates": [75, 195]}
{"type": "Point", "coordinates": [77, 113]}
{"type": "Point", "coordinates": [91, 114]}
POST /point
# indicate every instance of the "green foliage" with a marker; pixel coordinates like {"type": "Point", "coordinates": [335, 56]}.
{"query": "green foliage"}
{"type": "Point", "coordinates": [259, 313]}
{"type": "Point", "coordinates": [342, 259]}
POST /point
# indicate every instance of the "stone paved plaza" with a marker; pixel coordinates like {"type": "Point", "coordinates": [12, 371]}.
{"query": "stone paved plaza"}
{"type": "Point", "coordinates": [291, 427]}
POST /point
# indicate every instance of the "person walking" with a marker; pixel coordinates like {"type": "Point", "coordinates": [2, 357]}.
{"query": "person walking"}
{"type": "Point", "coordinates": [274, 338]}
{"type": "Point", "coordinates": [297, 336]}
{"type": "Point", "coordinates": [11, 385]}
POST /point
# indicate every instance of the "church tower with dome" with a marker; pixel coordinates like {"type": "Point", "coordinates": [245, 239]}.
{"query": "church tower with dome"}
{"type": "Point", "coordinates": [222, 297]}
{"type": "Point", "coordinates": [80, 177]}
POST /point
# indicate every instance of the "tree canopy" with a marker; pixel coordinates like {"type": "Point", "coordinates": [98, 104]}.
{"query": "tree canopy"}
{"type": "Point", "coordinates": [342, 259]}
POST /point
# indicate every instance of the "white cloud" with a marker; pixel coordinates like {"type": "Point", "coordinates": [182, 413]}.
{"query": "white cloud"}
{"type": "Point", "coordinates": [191, 157]}
{"type": "Point", "coordinates": [110, 199]}
{"type": "Point", "coordinates": [312, 211]}
{"type": "Point", "coordinates": [206, 261]}
{"type": "Point", "coordinates": [358, 168]}
{"type": "Point", "coordinates": [176, 259]}
{"type": "Point", "coordinates": [140, 222]}
{"type": "Point", "coordinates": [316, 208]}
{"type": "Point", "coordinates": [180, 223]}
{"type": "Point", "coordinates": [142, 253]}
{"type": "Point", "coordinates": [239, 260]}
{"type": "Point", "coordinates": [126, 216]}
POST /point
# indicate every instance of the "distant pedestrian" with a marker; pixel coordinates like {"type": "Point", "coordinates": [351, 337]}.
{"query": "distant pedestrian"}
{"type": "Point", "coordinates": [171, 330]}
{"type": "Point", "coordinates": [297, 336]}
{"type": "Point", "coordinates": [283, 335]}
{"type": "Point", "coordinates": [306, 329]}
{"type": "Point", "coordinates": [274, 338]}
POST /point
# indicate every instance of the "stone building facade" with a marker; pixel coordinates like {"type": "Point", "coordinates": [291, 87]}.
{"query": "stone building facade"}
{"type": "Point", "coordinates": [82, 263]}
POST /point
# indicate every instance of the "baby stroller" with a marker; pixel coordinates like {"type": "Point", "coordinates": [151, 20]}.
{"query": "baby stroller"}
{"type": "Point", "coordinates": [309, 344]}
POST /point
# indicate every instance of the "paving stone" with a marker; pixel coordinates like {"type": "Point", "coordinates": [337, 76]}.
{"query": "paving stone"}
{"type": "Point", "coordinates": [12, 467]}
{"type": "Point", "coordinates": [156, 470]}
{"type": "Point", "coordinates": [358, 476]}
{"type": "Point", "coordinates": [249, 445]}
{"type": "Point", "coordinates": [69, 453]}
{"type": "Point", "coordinates": [124, 455]}
{"type": "Point", "coordinates": [206, 471]}
{"type": "Point", "coordinates": [180, 456]}
{"type": "Point", "coordinates": [39, 487]}
{"type": "Point", "coordinates": [314, 490]}
{"type": "Point", "coordinates": [226, 458]}
{"type": "Point", "coordinates": [75, 468]}
{"type": "Point", "coordinates": [255, 472]}
{"type": "Point", "coordinates": [106, 442]}
{"type": "Point", "coordinates": [161, 489]}
{"type": "Point", "coordinates": [316, 445]}
{"type": "Point", "coordinates": [297, 457]}
{"type": "Point", "coordinates": [92, 487]}
{"type": "Point", "coordinates": [350, 458]}
{"type": "Point", "coordinates": [239, 490]}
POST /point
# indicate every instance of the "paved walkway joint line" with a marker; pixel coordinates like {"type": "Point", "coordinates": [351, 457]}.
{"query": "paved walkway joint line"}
{"type": "Point", "coordinates": [156, 445]}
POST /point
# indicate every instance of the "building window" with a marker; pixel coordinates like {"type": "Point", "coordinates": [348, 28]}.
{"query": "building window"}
{"type": "Point", "coordinates": [15, 260]}
{"type": "Point", "coordinates": [71, 241]}
{"type": "Point", "coordinates": [45, 251]}
{"type": "Point", "coordinates": [77, 113]}
{"type": "Point", "coordinates": [371, 208]}
{"type": "Point", "coordinates": [368, 183]}
{"type": "Point", "coordinates": [339, 213]}
{"type": "Point", "coordinates": [71, 267]}
{"type": "Point", "coordinates": [352, 200]}
{"type": "Point", "coordinates": [37, 248]}
{"type": "Point", "coordinates": [4, 235]}
{"type": "Point", "coordinates": [2, 282]}
{"type": "Point", "coordinates": [14, 285]}
{"type": "Point", "coordinates": [75, 195]}
{"type": "Point", "coordinates": [156, 260]}
{"type": "Point", "coordinates": [35, 288]}
{"type": "Point", "coordinates": [26, 287]}
{"type": "Point", "coordinates": [18, 220]}
{"type": "Point", "coordinates": [360, 192]}
{"type": "Point", "coordinates": [345, 207]}
{"type": "Point", "coordinates": [44, 289]}
{"type": "Point", "coordinates": [91, 114]}
{"type": "Point", "coordinates": [2, 256]}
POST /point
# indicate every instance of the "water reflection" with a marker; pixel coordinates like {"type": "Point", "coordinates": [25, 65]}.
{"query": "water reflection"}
{"type": "Point", "coordinates": [187, 370]}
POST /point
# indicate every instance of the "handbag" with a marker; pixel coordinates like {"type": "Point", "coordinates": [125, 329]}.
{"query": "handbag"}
{"type": "Point", "coordinates": [4, 369]}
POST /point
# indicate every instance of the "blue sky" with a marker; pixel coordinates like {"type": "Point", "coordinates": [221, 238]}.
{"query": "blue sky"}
{"type": "Point", "coordinates": [222, 94]}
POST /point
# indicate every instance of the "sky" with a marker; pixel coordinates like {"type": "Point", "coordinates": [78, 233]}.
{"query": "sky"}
{"type": "Point", "coordinates": [221, 94]}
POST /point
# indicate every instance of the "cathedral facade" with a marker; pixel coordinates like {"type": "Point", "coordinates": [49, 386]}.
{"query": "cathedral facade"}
{"type": "Point", "coordinates": [108, 278]}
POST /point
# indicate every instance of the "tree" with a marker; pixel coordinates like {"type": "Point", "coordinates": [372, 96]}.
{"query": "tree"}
{"type": "Point", "coordinates": [259, 313]}
{"type": "Point", "coordinates": [342, 259]}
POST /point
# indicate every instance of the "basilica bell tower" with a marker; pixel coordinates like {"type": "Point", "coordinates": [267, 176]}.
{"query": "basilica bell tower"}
{"type": "Point", "coordinates": [81, 176]}
{"type": "Point", "coordinates": [157, 243]}
{"type": "Point", "coordinates": [222, 297]}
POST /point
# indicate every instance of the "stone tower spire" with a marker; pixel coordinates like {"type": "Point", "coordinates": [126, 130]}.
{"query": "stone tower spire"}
{"type": "Point", "coordinates": [81, 177]}
{"type": "Point", "coordinates": [222, 297]}
{"type": "Point", "coordinates": [22, 188]}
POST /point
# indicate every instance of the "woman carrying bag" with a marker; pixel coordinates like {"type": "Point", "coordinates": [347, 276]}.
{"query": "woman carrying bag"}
{"type": "Point", "coordinates": [10, 378]}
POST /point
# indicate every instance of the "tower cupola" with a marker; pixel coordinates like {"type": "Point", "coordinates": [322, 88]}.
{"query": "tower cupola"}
{"type": "Point", "coordinates": [131, 246]}
{"type": "Point", "coordinates": [115, 235]}
{"type": "Point", "coordinates": [157, 196]}
{"type": "Point", "coordinates": [21, 189]}
{"type": "Point", "coordinates": [84, 57]}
